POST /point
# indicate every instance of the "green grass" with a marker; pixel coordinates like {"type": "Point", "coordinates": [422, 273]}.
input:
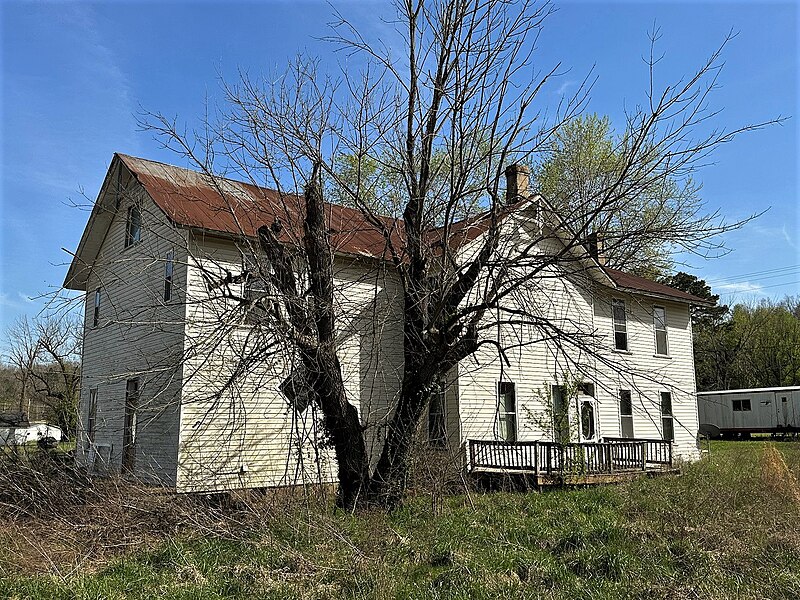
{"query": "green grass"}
{"type": "Point", "coordinates": [727, 528]}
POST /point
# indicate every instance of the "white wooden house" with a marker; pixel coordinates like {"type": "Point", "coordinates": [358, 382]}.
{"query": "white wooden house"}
{"type": "Point", "coordinates": [162, 345]}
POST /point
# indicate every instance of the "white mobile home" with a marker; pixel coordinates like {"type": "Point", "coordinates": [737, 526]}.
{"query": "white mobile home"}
{"type": "Point", "coordinates": [164, 253]}
{"type": "Point", "coordinates": [743, 412]}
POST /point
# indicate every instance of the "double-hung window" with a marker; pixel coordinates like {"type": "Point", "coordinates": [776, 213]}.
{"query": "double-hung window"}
{"type": "Point", "coordinates": [620, 324]}
{"type": "Point", "coordinates": [507, 411]}
{"type": "Point", "coordinates": [742, 405]}
{"type": "Point", "coordinates": [625, 413]}
{"type": "Point", "coordinates": [133, 227]}
{"type": "Point", "coordinates": [660, 326]}
{"type": "Point", "coordinates": [667, 424]}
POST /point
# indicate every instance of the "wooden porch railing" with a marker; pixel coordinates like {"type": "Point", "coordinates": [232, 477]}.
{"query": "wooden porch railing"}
{"type": "Point", "coordinates": [590, 458]}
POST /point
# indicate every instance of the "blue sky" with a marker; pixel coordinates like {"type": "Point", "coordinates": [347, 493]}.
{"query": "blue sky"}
{"type": "Point", "coordinates": [74, 75]}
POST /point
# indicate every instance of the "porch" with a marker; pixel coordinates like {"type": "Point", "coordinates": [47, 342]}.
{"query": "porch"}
{"type": "Point", "coordinates": [544, 463]}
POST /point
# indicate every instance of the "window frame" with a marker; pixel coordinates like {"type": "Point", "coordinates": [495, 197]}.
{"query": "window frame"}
{"type": "Point", "coordinates": [96, 308]}
{"type": "Point", "coordinates": [132, 396]}
{"type": "Point", "coordinates": [133, 236]}
{"type": "Point", "coordinates": [620, 326]}
{"type": "Point", "coordinates": [626, 417]}
{"type": "Point", "coordinates": [169, 272]}
{"type": "Point", "coordinates": [738, 405]}
{"type": "Point", "coordinates": [663, 330]}
{"type": "Point", "coordinates": [91, 417]}
{"type": "Point", "coordinates": [667, 418]}
{"type": "Point", "coordinates": [506, 417]}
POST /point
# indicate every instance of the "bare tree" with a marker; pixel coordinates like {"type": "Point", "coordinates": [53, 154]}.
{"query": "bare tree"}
{"type": "Point", "coordinates": [444, 118]}
{"type": "Point", "coordinates": [45, 354]}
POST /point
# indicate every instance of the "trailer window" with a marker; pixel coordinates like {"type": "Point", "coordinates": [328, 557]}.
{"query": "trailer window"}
{"type": "Point", "coordinates": [741, 405]}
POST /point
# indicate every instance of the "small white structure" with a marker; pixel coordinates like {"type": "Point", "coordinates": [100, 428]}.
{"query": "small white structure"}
{"type": "Point", "coordinates": [743, 412]}
{"type": "Point", "coordinates": [33, 432]}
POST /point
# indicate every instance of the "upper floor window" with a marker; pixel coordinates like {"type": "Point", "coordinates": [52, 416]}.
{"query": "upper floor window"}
{"type": "Point", "coordinates": [169, 267]}
{"type": "Point", "coordinates": [660, 326]}
{"type": "Point", "coordinates": [96, 315]}
{"type": "Point", "coordinates": [667, 424]}
{"type": "Point", "coordinates": [133, 227]}
{"type": "Point", "coordinates": [620, 324]}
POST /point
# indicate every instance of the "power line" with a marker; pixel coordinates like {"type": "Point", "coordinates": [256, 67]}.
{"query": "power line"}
{"type": "Point", "coordinates": [745, 275]}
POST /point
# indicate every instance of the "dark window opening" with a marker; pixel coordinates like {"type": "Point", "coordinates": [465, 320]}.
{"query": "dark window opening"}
{"type": "Point", "coordinates": [91, 420]}
{"type": "Point", "coordinates": [586, 388]}
{"type": "Point", "coordinates": [169, 267]}
{"type": "Point", "coordinates": [96, 316]}
{"type": "Point", "coordinates": [587, 420]}
{"type": "Point", "coordinates": [561, 433]}
{"type": "Point", "coordinates": [742, 405]}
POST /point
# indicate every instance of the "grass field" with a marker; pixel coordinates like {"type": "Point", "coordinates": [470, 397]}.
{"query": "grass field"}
{"type": "Point", "coordinates": [729, 527]}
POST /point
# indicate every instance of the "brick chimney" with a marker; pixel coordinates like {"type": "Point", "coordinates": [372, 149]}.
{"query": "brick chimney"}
{"type": "Point", "coordinates": [517, 183]}
{"type": "Point", "coordinates": [594, 244]}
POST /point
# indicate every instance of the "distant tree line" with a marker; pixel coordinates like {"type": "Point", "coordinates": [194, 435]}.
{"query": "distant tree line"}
{"type": "Point", "coordinates": [744, 346]}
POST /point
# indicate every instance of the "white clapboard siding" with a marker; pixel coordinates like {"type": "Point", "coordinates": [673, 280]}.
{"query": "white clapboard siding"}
{"type": "Point", "coordinates": [138, 336]}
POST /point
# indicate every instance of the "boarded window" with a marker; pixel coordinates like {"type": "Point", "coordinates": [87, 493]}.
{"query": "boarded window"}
{"type": "Point", "coordinates": [660, 326]}
{"type": "Point", "coordinates": [507, 411]}
{"type": "Point", "coordinates": [741, 405]}
{"type": "Point", "coordinates": [620, 324]}
{"type": "Point", "coordinates": [437, 426]}
{"type": "Point", "coordinates": [133, 228]}
{"type": "Point", "coordinates": [169, 267]}
{"type": "Point", "coordinates": [625, 413]}
{"type": "Point", "coordinates": [96, 315]}
{"type": "Point", "coordinates": [129, 425]}
{"type": "Point", "coordinates": [560, 415]}
{"type": "Point", "coordinates": [667, 424]}
{"type": "Point", "coordinates": [91, 419]}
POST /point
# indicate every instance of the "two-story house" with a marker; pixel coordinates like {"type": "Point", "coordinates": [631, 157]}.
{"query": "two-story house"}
{"type": "Point", "coordinates": [182, 387]}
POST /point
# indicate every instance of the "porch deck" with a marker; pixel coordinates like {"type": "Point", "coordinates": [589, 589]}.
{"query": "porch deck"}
{"type": "Point", "coordinates": [550, 463]}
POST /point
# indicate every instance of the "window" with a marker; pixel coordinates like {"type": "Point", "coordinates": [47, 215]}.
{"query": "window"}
{"type": "Point", "coordinates": [133, 228]}
{"type": "Point", "coordinates": [660, 326]}
{"type": "Point", "coordinates": [129, 425]}
{"type": "Point", "coordinates": [560, 415]}
{"type": "Point", "coordinates": [667, 424]}
{"type": "Point", "coordinates": [256, 290]}
{"type": "Point", "coordinates": [620, 324]}
{"type": "Point", "coordinates": [625, 413]}
{"type": "Point", "coordinates": [437, 428]}
{"type": "Point", "coordinates": [586, 388]}
{"type": "Point", "coordinates": [169, 267]}
{"type": "Point", "coordinates": [741, 405]}
{"type": "Point", "coordinates": [96, 317]}
{"type": "Point", "coordinates": [507, 411]}
{"type": "Point", "coordinates": [295, 390]}
{"type": "Point", "coordinates": [91, 420]}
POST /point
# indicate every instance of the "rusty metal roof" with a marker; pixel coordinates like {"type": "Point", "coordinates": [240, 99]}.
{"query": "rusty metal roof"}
{"type": "Point", "coordinates": [640, 284]}
{"type": "Point", "coordinates": [234, 208]}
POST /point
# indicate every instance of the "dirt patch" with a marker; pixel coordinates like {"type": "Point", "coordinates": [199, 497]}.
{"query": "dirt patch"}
{"type": "Point", "coordinates": [776, 473]}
